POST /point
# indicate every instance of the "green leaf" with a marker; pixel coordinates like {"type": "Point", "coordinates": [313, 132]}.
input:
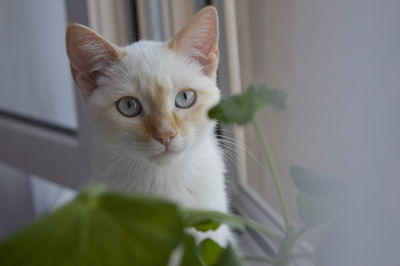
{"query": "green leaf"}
{"type": "Point", "coordinates": [191, 255]}
{"type": "Point", "coordinates": [210, 220]}
{"type": "Point", "coordinates": [240, 109]}
{"type": "Point", "coordinates": [309, 207]}
{"type": "Point", "coordinates": [210, 251]}
{"type": "Point", "coordinates": [229, 258]}
{"type": "Point", "coordinates": [313, 182]}
{"type": "Point", "coordinates": [318, 195]}
{"type": "Point", "coordinates": [262, 95]}
{"type": "Point", "coordinates": [313, 210]}
{"type": "Point", "coordinates": [202, 224]}
{"type": "Point", "coordinates": [99, 229]}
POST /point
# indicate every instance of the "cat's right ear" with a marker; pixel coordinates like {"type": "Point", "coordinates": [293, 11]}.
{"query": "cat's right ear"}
{"type": "Point", "coordinates": [89, 54]}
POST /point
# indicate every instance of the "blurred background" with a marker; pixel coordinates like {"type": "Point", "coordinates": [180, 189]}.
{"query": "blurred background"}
{"type": "Point", "coordinates": [338, 60]}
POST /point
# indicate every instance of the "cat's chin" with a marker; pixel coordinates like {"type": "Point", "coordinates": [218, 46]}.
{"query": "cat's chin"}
{"type": "Point", "coordinates": [165, 158]}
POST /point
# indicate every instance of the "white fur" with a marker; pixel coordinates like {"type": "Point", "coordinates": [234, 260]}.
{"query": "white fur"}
{"type": "Point", "coordinates": [193, 176]}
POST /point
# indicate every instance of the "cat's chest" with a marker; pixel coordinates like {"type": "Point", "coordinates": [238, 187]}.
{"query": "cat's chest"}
{"type": "Point", "coordinates": [197, 181]}
{"type": "Point", "coordinates": [200, 185]}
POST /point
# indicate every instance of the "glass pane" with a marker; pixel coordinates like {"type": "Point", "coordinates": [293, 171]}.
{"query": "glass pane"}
{"type": "Point", "coordinates": [34, 70]}
{"type": "Point", "coordinates": [339, 63]}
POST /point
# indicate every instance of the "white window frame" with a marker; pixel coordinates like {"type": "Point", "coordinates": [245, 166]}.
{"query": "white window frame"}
{"type": "Point", "coordinates": [245, 201]}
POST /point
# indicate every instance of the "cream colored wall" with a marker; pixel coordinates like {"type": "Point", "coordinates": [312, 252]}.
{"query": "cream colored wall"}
{"type": "Point", "coordinates": [339, 61]}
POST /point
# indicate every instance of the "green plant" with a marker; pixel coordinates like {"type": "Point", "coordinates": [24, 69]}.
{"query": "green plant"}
{"type": "Point", "coordinates": [313, 197]}
{"type": "Point", "coordinates": [101, 228]}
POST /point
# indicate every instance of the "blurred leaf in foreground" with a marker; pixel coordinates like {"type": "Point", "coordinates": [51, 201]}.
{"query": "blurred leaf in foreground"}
{"type": "Point", "coordinates": [99, 229]}
{"type": "Point", "coordinates": [191, 255]}
{"type": "Point", "coordinates": [240, 109]}
{"type": "Point", "coordinates": [229, 257]}
{"type": "Point", "coordinates": [210, 220]}
{"type": "Point", "coordinates": [208, 253]}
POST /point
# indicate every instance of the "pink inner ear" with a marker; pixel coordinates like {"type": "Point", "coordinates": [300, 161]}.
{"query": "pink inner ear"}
{"type": "Point", "coordinates": [209, 63]}
{"type": "Point", "coordinates": [87, 50]}
{"type": "Point", "coordinates": [88, 53]}
{"type": "Point", "coordinates": [199, 40]}
{"type": "Point", "coordinates": [206, 44]}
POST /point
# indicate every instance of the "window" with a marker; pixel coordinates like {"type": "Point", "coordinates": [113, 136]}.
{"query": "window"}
{"type": "Point", "coordinates": [40, 124]}
{"type": "Point", "coordinates": [33, 39]}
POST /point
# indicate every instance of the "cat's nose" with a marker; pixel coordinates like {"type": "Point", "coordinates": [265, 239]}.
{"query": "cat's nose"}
{"type": "Point", "coordinates": [164, 137]}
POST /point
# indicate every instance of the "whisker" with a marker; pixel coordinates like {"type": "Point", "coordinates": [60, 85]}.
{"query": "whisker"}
{"type": "Point", "coordinates": [247, 150]}
{"type": "Point", "coordinates": [225, 141]}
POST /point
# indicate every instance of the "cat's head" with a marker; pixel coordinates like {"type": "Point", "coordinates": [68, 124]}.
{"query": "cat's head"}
{"type": "Point", "coordinates": [149, 99]}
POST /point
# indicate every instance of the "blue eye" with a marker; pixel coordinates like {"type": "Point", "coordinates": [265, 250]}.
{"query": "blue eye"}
{"type": "Point", "coordinates": [185, 99]}
{"type": "Point", "coordinates": [129, 106]}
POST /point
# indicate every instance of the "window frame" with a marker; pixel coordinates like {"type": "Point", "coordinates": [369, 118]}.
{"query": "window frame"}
{"type": "Point", "coordinates": [244, 200]}
{"type": "Point", "coordinates": [63, 152]}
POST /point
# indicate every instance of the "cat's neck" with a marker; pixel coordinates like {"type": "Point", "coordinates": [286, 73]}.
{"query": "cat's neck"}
{"type": "Point", "coordinates": [195, 180]}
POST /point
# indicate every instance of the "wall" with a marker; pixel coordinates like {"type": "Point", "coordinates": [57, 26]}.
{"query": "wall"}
{"type": "Point", "coordinates": [339, 61]}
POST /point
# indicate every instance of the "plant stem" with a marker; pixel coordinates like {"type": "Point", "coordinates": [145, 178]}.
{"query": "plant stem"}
{"type": "Point", "coordinates": [262, 229]}
{"type": "Point", "coordinates": [259, 259]}
{"type": "Point", "coordinates": [274, 172]}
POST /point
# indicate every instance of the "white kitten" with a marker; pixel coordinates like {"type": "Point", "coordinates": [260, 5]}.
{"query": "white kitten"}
{"type": "Point", "coordinates": [148, 102]}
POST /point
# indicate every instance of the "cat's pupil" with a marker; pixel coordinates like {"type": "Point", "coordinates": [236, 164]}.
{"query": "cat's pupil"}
{"type": "Point", "coordinates": [185, 96]}
{"type": "Point", "coordinates": [129, 103]}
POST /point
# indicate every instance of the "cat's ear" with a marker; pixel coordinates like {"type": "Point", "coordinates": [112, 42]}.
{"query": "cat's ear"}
{"type": "Point", "coordinates": [89, 54]}
{"type": "Point", "coordinates": [199, 40]}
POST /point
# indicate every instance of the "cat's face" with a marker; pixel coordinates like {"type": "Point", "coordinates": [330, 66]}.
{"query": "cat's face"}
{"type": "Point", "coordinates": [154, 103]}
{"type": "Point", "coordinates": [149, 100]}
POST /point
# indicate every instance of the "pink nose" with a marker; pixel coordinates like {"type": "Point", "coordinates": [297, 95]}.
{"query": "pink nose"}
{"type": "Point", "coordinates": [164, 137]}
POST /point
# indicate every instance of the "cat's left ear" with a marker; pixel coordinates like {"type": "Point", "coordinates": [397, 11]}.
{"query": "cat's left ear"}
{"type": "Point", "coordinates": [89, 55]}
{"type": "Point", "coordinates": [199, 40]}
